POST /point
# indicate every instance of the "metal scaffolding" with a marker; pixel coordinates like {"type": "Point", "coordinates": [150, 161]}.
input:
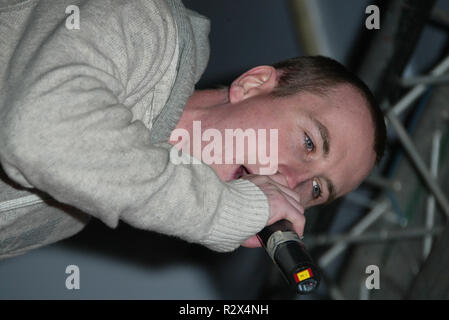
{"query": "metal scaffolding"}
{"type": "Point", "coordinates": [382, 69]}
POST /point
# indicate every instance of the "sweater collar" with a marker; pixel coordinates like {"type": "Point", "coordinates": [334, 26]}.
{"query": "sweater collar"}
{"type": "Point", "coordinates": [192, 30]}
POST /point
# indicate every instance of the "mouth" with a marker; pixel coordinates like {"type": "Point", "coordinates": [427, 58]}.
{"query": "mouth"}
{"type": "Point", "coordinates": [241, 172]}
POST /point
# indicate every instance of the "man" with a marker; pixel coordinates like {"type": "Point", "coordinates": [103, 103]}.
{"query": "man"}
{"type": "Point", "coordinates": [331, 132]}
{"type": "Point", "coordinates": [86, 116]}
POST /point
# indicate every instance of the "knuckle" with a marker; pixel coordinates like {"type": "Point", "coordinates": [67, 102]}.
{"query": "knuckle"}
{"type": "Point", "coordinates": [301, 219]}
{"type": "Point", "coordinates": [298, 220]}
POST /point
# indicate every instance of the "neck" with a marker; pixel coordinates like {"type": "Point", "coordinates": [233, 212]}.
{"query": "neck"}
{"type": "Point", "coordinates": [200, 106]}
{"type": "Point", "coordinates": [202, 99]}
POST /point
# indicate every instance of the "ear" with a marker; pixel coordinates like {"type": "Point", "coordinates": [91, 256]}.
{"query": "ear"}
{"type": "Point", "coordinates": [259, 80]}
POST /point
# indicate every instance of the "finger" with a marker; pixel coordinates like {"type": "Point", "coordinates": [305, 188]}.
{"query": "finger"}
{"type": "Point", "coordinates": [281, 207]}
{"type": "Point", "coordinates": [269, 181]}
{"type": "Point", "coordinates": [294, 202]}
{"type": "Point", "coordinates": [286, 209]}
{"type": "Point", "coordinates": [282, 183]}
{"type": "Point", "coordinates": [298, 222]}
{"type": "Point", "coordinates": [293, 194]}
{"type": "Point", "coordinates": [252, 242]}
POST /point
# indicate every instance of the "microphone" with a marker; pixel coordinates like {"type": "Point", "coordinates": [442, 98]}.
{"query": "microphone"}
{"type": "Point", "coordinates": [288, 252]}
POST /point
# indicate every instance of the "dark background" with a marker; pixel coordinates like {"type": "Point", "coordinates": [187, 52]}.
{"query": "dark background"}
{"type": "Point", "coordinates": [127, 263]}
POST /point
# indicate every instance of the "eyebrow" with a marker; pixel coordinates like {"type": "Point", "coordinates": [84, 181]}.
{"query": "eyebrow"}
{"type": "Point", "coordinates": [324, 133]}
{"type": "Point", "coordinates": [331, 191]}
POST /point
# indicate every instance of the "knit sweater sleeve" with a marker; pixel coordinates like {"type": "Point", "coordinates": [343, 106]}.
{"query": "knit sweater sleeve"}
{"type": "Point", "coordinates": [66, 131]}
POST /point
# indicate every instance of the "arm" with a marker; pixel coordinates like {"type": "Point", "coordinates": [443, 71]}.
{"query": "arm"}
{"type": "Point", "coordinates": [68, 132]}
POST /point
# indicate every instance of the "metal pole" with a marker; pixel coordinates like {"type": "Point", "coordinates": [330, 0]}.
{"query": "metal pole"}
{"type": "Point", "coordinates": [336, 293]}
{"type": "Point", "coordinates": [383, 183]}
{"type": "Point", "coordinates": [430, 216]}
{"type": "Point", "coordinates": [375, 236]}
{"type": "Point", "coordinates": [360, 200]}
{"type": "Point", "coordinates": [361, 226]}
{"type": "Point", "coordinates": [417, 161]}
{"type": "Point", "coordinates": [432, 281]}
{"type": "Point", "coordinates": [426, 80]}
{"type": "Point", "coordinates": [364, 293]}
{"type": "Point", "coordinates": [416, 92]}
{"type": "Point", "coordinates": [313, 37]}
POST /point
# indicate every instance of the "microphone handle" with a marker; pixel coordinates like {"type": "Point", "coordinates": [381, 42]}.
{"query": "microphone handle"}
{"type": "Point", "coordinates": [288, 252]}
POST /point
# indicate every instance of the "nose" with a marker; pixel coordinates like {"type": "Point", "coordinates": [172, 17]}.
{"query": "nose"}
{"type": "Point", "coordinates": [295, 175]}
{"type": "Point", "coordinates": [300, 179]}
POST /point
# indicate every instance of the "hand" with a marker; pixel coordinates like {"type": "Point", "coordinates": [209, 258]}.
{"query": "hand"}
{"type": "Point", "coordinates": [284, 204]}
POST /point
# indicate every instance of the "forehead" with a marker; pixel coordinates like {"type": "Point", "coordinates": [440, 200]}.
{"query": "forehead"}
{"type": "Point", "coordinates": [342, 106]}
{"type": "Point", "coordinates": [345, 97]}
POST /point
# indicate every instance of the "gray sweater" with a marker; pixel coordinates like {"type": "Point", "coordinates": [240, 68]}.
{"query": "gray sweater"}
{"type": "Point", "coordinates": [85, 115]}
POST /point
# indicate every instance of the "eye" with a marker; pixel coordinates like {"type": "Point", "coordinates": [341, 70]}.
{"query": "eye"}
{"type": "Point", "coordinates": [316, 190]}
{"type": "Point", "coordinates": [308, 143]}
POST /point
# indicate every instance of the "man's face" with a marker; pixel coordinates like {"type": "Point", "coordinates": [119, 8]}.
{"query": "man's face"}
{"type": "Point", "coordinates": [325, 142]}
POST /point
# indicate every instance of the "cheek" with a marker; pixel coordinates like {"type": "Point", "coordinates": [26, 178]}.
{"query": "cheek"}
{"type": "Point", "coordinates": [290, 146]}
{"type": "Point", "coordinates": [224, 172]}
